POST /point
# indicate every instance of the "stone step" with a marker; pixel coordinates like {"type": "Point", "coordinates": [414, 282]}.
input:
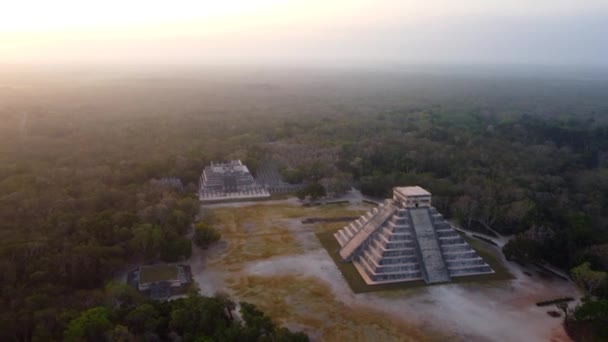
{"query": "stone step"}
{"type": "Point", "coordinates": [368, 260]}
{"type": "Point", "coordinates": [398, 252]}
{"type": "Point", "coordinates": [463, 247]}
{"type": "Point", "coordinates": [399, 224]}
{"type": "Point", "coordinates": [372, 251]}
{"type": "Point", "coordinates": [352, 230]}
{"type": "Point", "coordinates": [398, 260]}
{"type": "Point", "coordinates": [400, 221]}
{"type": "Point", "coordinates": [401, 212]}
{"type": "Point", "coordinates": [386, 232]}
{"type": "Point", "coordinates": [450, 240]}
{"type": "Point", "coordinates": [345, 235]}
{"type": "Point", "coordinates": [460, 255]}
{"type": "Point", "coordinates": [435, 270]}
{"type": "Point", "coordinates": [368, 269]}
{"type": "Point", "coordinates": [370, 255]}
{"type": "Point", "coordinates": [404, 267]}
{"type": "Point", "coordinates": [412, 275]}
{"type": "Point", "coordinates": [440, 225]}
{"type": "Point", "coordinates": [447, 233]}
{"type": "Point", "coordinates": [465, 262]}
{"type": "Point", "coordinates": [348, 251]}
{"type": "Point", "coordinates": [341, 238]}
{"type": "Point", "coordinates": [398, 229]}
{"type": "Point", "coordinates": [397, 269]}
{"type": "Point", "coordinates": [470, 270]}
{"type": "Point", "coordinates": [393, 244]}
{"type": "Point", "coordinates": [349, 235]}
{"type": "Point", "coordinates": [381, 249]}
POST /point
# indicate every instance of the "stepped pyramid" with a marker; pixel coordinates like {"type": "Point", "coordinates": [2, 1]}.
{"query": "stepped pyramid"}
{"type": "Point", "coordinates": [406, 239]}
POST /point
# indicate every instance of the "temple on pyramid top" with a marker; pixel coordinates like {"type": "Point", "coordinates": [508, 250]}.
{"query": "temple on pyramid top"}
{"type": "Point", "coordinates": [406, 239]}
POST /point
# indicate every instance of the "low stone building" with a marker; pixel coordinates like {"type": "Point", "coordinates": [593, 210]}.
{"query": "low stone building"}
{"type": "Point", "coordinates": [161, 281]}
{"type": "Point", "coordinates": [406, 239]}
{"type": "Point", "coordinates": [228, 182]}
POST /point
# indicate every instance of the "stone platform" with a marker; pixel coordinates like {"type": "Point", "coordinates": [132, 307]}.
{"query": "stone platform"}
{"type": "Point", "coordinates": [406, 239]}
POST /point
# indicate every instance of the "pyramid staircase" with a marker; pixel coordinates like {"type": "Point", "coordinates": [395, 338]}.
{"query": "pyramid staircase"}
{"type": "Point", "coordinates": [392, 244]}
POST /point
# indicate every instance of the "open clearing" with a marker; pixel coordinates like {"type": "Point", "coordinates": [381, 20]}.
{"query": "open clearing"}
{"type": "Point", "coordinates": [269, 258]}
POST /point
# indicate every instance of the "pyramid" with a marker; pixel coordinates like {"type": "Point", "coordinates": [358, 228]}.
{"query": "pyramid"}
{"type": "Point", "coordinates": [406, 239]}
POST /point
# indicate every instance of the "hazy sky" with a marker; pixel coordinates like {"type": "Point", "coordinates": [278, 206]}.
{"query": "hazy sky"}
{"type": "Point", "coordinates": [305, 32]}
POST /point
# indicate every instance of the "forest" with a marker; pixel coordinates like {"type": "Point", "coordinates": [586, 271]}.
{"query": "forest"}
{"type": "Point", "coordinates": [82, 160]}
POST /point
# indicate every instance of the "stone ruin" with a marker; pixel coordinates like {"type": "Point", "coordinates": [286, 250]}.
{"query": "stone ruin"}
{"type": "Point", "coordinates": [229, 181]}
{"type": "Point", "coordinates": [406, 239]}
{"type": "Point", "coordinates": [161, 286]}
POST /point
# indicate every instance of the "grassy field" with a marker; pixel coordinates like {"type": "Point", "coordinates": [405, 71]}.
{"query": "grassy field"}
{"type": "Point", "coordinates": [157, 273]}
{"type": "Point", "coordinates": [262, 231]}
{"type": "Point", "coordinates": [311, 303]}
{"type": "Point", "coordinates": [356, 283]}
{"type": "Point", "coordinates": [258, 232]}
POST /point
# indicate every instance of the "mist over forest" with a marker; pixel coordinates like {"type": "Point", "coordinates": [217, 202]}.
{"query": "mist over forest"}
{"type": "Point", "coordinates": [522, 150]}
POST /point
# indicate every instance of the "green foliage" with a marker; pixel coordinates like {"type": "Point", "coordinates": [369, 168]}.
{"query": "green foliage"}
{"type": "Point", "coordinates": [204, 234]}
{"type": "Point", "coordinates": [256, 322]}
{"type": "Point", "coordinates": [144, 318]}
{"type": "Point", "coordinates": [78, 203]}
{"type": "Point", "coordinates": [594, 310]}
{"type": "Point", "coordinates": [91, 325]}
{"type": "Point", "coordinates": [293, 176]}
{"type": "Point", "coordinates": [589, 319]}
{"type": "Point", "coordinates": [587, 278]}
{"type": "Point", "coordinates": [312, 190]}
{"type": "Point", "coordinates": [195, 318]}
{"type": "Point", "coordinates": [523, 250]}
{"type": "Point", "coordinates": [176, 249]}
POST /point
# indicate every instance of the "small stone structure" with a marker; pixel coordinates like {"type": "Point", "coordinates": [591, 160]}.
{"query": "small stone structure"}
{"type": "Point", "coordinates": [405, 239]}
{"type": "Point", "coordinates": [229, 181]}
{"type": "Point", "coordinates": [161, 281]}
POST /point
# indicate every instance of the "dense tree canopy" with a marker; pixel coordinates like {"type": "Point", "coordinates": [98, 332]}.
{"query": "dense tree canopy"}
{"type": "Point", "coordinates": [81, 163]}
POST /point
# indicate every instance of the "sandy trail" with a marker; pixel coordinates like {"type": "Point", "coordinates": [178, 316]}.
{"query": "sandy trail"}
{"type": "Point", "coordinates": [493, 311]}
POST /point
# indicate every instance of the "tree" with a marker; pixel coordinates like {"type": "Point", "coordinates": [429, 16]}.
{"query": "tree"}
{"type": "Point", "coordinates": [229, 304]}
{"type": "Point", "coordinates": [522, 249]}
{"type": "Point", "coordinates": [283, 334]}
{"type": "Point", "coordinates": [594, 315]}
{"type": "Point", "coordinates": [121, 297]}
{"type": "Point", "coordinates": [255, 320]}
{"type": "Point", "coordinates": [313, 191]}
{"type": "Point", "coordinates": [293, 176]}
{"type": "Point", "coordinates": [121, 334]}
{"type": "Point", "coordinates": [175, 249]}
{"type": "Point", "coordinates": [205, 235]}
{"type": "Point", "coordinates": [587, 278]}
{"type": "Point", "coordinates": [91, 325]}
{"type": "Point", "coordinates": [144, 318]}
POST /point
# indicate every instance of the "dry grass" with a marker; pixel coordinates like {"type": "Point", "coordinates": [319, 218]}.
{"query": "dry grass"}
{"type": "Point", "coordinates": [260, 231]}
{"type": "Point", "coordinates": [311, 304]}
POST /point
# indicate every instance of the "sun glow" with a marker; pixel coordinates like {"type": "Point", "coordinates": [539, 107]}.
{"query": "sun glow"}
{"type": "Point", "coordinates": [61, 15]}
{"type": "Point", "coordinates": [137, 30]}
